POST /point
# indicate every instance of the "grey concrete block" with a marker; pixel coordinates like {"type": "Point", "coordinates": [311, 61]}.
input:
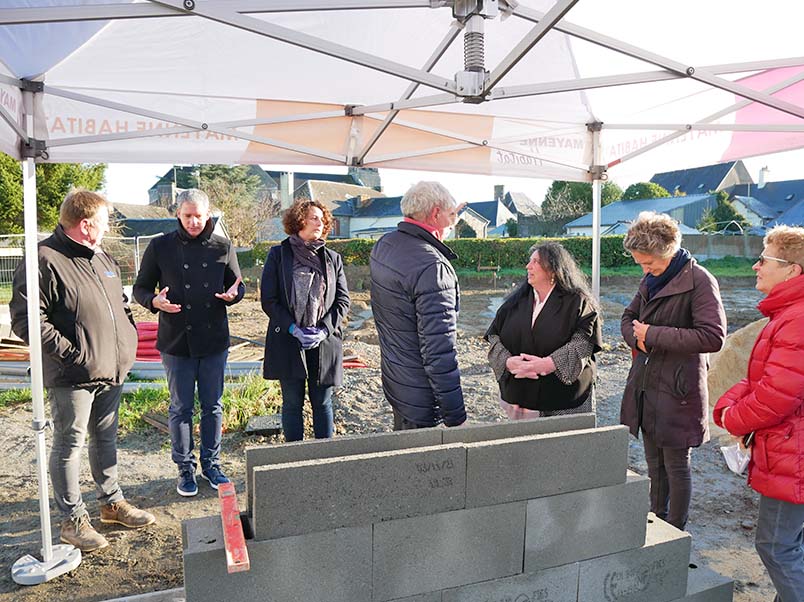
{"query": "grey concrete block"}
{"type": "Point", "coordinates": [656, 572]}
{"type": "Point", "coordinates": [333, 566]}
{"type": "Point", "coordinates": [705, 585]}
{"type": "Point", "coordinates": [525, 468]}
{"type": "Point", "coordinates": [584, 524]}
{"type": "Point", "coordinates": [472, 433]}
{"type": "Point", "coordinates": [319, 495]}
{"type": "Point", "coordinates": [331, 448]}
{"type": "Point", "coordinates": [428, 597]}
{"type": "Point", "coordinates": [429, 553]}
{"type": "Point", "coordinates": [558, 584]}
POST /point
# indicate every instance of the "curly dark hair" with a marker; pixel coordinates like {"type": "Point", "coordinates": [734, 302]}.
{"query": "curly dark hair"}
{"type": "Point", "coordinates": [295, 215]}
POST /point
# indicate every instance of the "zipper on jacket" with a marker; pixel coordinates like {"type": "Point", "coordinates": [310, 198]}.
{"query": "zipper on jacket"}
{"type": "Point", "coordinates": [114, 322]}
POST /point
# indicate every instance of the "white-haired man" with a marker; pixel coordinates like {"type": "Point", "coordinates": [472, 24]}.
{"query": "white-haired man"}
{"type": "Point", "coordinates": [189, 277]}
{"type": "Point", "coordinates": [415, 299]}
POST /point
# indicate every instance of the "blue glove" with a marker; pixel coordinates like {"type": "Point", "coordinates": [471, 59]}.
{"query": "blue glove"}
{"type": "Point", "coordinates": [309, 337]}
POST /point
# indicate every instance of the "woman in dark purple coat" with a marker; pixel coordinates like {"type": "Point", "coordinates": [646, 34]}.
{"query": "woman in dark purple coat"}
{"type": "Point", "coordinates": [674, 321]}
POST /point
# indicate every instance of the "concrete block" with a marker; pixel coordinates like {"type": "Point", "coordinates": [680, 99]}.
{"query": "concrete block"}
{"type": "Point", "coordinates": [584, 524]}
{"type": "Point", "coordinates": [428, 597]}
{"type": "Point", "coordinates": [705, 585]}
{"type": "Point", "coordinates": [331, 448]}
{"type": "Point", "coordinates": [657, 571]}
{"type": "Point", "coordinates": [472, 433]}
{"type": "Point", "coordinates": [558, 584]}
{"type": "Point", "coordinates": [333, 566]}
{"type": "Point", "coordinates": [319, 495]}
{"type": "Point", "coordinates": [525, 468]}
{"type": "Point", "coordinates": [429, 553]}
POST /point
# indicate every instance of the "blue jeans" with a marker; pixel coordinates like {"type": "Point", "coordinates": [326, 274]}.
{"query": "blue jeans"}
{"type": "Point", "coordinates": [182, 374]}
{"type": "Point", "coordinates": [293, 401]}
{"type": "Point", "coordinates": [780, 545]}
{"type": "Point", "coordinates": [77, 412]}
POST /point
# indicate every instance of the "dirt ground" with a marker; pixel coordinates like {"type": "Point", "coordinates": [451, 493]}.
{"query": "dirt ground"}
{"type": "Point", "coordinates": [723, 513]}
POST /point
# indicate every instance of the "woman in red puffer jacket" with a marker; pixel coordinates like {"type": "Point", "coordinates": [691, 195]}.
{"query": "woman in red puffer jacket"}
{"type": "Point", "coordinates": [769, 402]}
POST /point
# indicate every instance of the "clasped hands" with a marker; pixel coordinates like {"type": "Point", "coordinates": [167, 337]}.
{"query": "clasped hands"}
{"type": "Point", "coordinates": [309, 336]}
{"type": "Point", "coordinates": [640, 332]}
{"type": "Point", "coordinates": [162, 303]}
{"type": "Point", "coordinates": [525, 365]}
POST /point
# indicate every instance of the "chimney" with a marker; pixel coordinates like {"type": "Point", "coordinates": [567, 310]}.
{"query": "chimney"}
{"type": "Point", "coordinates": [499, 192]}
{"type": "Point", "coordinates": [762, 175]}
{"type": "Point", "coordinates": [285, 189]}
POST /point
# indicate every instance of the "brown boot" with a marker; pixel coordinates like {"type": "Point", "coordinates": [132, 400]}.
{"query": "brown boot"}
{"type": "Point", "coordinates": [78, 531]}
{"type": "Point", "coordinates": [123, 513]}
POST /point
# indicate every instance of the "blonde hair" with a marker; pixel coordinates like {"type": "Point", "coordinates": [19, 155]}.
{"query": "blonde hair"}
{"type": "Point", "coordinates": [654, 234]}
{"type": "Point", "coordinates": [789, 241]}
{"type": "Point", "coordinates": [78, 205]}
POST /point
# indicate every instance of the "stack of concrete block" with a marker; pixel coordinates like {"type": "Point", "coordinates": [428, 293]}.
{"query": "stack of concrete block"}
{"type": "Point", "coordinates": [532, 510]}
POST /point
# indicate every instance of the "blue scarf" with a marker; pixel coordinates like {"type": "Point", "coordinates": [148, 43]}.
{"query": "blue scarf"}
{"type": "Point", "coordinates": [656, 283]}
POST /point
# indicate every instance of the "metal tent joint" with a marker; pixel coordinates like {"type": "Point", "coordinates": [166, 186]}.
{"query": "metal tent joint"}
{"type": "Point", "coordinates": [595, 126]}
{"type": "Point", "coordinates": [189, 4]}
{"type": "Point", "coordinates": [599, 172]}
{"type": "Point", "coordinates": [29, 85]}
{"type": "Point", "coordinates": [39, 425]}
{"type": "Point", "coordinates": [33, 148]}
{"type": "Point", "coordinates": [488, 9]}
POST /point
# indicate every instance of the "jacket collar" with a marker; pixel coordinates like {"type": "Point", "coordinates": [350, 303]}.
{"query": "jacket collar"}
{"type": "Point", "coordinates": [205, 233]}
{"type": "Point", "coordinates": [419, 232]}
{"type": "Point", "coordinates": [76, 249]}
{"type": "Point", "coordinates": [783, 295]}
{"type": "Point", "coordinates": [683, 282]}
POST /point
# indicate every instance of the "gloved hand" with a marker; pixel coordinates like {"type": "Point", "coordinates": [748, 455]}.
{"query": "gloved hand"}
{"type": "Point", "coordinates": [309, 336]}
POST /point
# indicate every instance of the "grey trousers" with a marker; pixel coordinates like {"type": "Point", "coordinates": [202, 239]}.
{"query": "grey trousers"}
{"type": "Point", "coordinates": [780, 544]}
{"type": "Point", "coordinates": [77, 412]}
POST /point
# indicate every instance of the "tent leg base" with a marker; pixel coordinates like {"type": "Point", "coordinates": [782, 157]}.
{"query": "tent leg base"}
{"type": "Point", "coordinates": [31, 571]}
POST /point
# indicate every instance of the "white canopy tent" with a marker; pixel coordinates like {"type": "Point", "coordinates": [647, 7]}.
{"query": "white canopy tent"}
{"type": "Point", "coordinates": [556, 89]}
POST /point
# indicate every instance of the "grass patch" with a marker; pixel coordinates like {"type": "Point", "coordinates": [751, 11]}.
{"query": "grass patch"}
{"type": "Point", "coordinates": [252, 396]}
{"type": "Point", "coordinates": [5, 293]}
{"type": "Point", "coordinates": [14, 397]}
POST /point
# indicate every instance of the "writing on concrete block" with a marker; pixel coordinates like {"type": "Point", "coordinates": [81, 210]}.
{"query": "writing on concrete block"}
{"type": "Point", "coordinates": [539, 595]}
{"type": "Point", "coordinates": [438, 473]}
{"type": "Point", "coordinates": [618, 585]}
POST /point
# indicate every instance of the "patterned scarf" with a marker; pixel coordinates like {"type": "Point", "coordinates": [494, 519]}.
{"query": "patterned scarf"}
{"type": "Point", "coordinates": [308, 291]}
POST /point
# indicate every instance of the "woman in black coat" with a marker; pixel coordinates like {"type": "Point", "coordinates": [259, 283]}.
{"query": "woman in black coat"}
{"type": "Point", "coordinates": [544, 337]}
{"type": "Point", "coordinates": [305, 295]}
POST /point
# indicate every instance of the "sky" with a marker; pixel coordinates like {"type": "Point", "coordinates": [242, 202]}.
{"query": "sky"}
{"type": "Point", "coordinates": [129, 183]}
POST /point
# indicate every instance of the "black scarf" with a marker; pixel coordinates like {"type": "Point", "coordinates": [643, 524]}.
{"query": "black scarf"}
{"type": "Point", "coordinates": [306, 252]}
{"type": "Point", "coordinates": [656, 283]}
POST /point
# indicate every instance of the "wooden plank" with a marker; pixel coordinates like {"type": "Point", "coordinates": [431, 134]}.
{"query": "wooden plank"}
{"type": "Point", "coordinates": [233, 539]}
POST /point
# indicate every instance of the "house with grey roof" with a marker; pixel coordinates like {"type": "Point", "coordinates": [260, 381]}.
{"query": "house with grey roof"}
{"type": "Point", "coordinates": [765, 203]}
{"type": "Point", "coordinates": [687, 210]}
{"type": "Point", "coordinates": [702, 180]}
{"type": "Point", "coordinates": [496, 213]}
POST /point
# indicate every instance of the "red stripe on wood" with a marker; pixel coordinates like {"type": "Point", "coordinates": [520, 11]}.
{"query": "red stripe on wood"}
{"type": "Point", "coordinates": [233, 539]}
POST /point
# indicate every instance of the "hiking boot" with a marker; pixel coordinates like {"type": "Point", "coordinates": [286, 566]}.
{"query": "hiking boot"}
{"type": "Point", "coordinates": [78, 531]}
{"type": "Point", "coordinates": [123, 513]}
{"type": "Point", "coordinates": [215, 477]}
{"type": "Point", "coordinates": [187, 485]}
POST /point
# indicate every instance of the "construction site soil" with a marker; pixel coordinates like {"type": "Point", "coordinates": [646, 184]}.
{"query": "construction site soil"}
{"type": "Point", "coordinates": [722, 518]}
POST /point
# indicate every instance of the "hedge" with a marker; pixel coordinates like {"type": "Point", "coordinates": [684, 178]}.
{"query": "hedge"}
{"type": "Point", "coordinates": [503, 252]}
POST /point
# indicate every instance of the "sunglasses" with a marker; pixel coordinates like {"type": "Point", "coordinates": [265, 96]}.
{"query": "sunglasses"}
{"type": "Point", "coordinates": [763, 258]}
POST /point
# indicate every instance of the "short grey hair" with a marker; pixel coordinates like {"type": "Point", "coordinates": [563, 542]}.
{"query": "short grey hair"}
{"type": "Point", "coordinates": [193, 196]}
{"type": "Point", "coordinates": [423, 197]}
{"type": "Point", "coordinates": [654, 234]}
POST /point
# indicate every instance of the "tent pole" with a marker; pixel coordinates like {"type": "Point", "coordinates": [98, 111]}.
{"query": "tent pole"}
{"type": "Point", "coordinates": [59, 559]}
{"type": "Point", "coordinates": [598, 174]}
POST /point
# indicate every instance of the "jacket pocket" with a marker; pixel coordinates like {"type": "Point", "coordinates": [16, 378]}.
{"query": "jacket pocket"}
{"type": "Point", "coordinates": [777, 448]}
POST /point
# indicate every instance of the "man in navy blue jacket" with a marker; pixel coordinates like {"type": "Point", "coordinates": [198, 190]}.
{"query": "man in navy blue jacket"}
{"type": "Point", "coordinates": [415, 299]}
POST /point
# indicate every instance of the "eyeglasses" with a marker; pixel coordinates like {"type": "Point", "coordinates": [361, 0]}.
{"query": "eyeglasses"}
{"type": "Point", "coordinates": [763, 258]}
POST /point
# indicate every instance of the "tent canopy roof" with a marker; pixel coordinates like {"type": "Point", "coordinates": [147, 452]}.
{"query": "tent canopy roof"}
{"type": "Point", "coordinates": [384, 82]}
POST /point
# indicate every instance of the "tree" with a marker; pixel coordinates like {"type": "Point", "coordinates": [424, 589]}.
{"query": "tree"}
{"type": "Point", "coordinates": [644, 190]}
{"type": "Point", "coordinates": [464, 230]}
{"type": "Point", "coordinates": [724, 217]}
{"type": "Point", "coordinates": [53, 182]}
{"type": "Point", "coordinates": [566, 201]}
{"type": "Point", "coordinates": [244, 207]}
{"type": "Point", "coordinates": [512, 228]}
